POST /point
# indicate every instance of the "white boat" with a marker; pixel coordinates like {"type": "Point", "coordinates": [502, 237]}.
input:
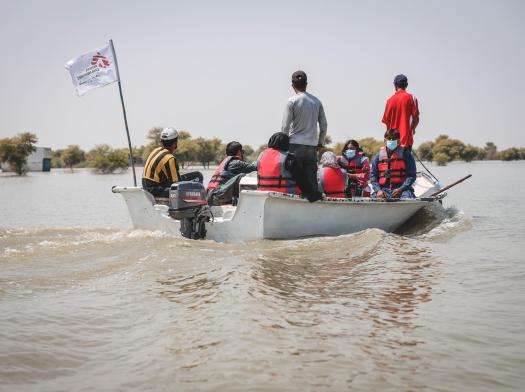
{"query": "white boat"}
{"type": "Point", "coordinates": [271, 215]}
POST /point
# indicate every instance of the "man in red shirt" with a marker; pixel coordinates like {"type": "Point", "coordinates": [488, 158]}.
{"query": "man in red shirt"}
{"type": "Point", "coordinates": [402, 112]}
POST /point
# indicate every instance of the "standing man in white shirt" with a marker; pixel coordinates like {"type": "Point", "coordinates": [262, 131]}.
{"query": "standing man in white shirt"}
{"type": "Point", "coordinates": [303, 112]}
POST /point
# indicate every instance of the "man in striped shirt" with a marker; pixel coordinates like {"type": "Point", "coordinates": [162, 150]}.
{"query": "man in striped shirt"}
{"type": "Point", "coordinates": [161, 169]}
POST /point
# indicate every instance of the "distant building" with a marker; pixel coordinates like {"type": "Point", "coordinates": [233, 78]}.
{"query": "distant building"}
{"type": "Point", "coordinates": [39, 160]}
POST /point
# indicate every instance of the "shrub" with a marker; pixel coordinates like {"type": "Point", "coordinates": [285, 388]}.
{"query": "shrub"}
{"type": "Point", "coordinates": [15, 151]}
{"type": "Point", "coordinates": [441, 159]}
{"type": "Point", "coordinates": [370, 146]}
{"type": "Point", "coordinates": [72, 156]}
{"type": "Point", "coordinates": [424, 151]}
{"type": "Point", "coordinates": [510, 154]}
{"type": "Point", "coordinates": [104, 159]}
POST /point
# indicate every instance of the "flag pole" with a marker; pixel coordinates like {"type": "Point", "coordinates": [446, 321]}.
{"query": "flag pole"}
{"type": "Point", "coordinates": [124, 113]}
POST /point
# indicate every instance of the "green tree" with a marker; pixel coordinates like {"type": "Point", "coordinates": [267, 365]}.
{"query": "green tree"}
{"type": "Point", "coordinates": [208, 150]}
{"type": "Point", "coordinates": [447, 148]}
{"type": "Point", "coordinates": [105, 159]}
{"type": "Point", "coordinates": [424, 151]}
{"type": "Point", "coordinates": [186, 151]}
{"type": "Point", "coordinates": [471, 152]}
{"type": "Point", "coordinates": [72, 156]}
{"type": "Point", "coordinates": [258, 152]}
{"type": "Point", "coordinates": [56, 158]}
{"type": "Point", "coordinates": [15, 151]}
{"type": "Point", "coordinates": [138, 154]}
{"type": "Point", "coordinates": [510, 154]}
{"type": "Point", "coordinates": [491, 151]}
{"type": "Point", "coordinates": [441, 158]}
{"type": "Point", "coordinates": [337, 148]}
{"type": "Point", "coordinates": [153, 135]}
{"type": "Point", "coordinates": [370, 146]}
{"type": "Point", "coordinates": [248, 152]}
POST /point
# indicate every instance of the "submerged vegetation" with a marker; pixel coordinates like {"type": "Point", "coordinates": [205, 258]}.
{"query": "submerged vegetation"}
{"type": "Point", "coordinates": [15, 150]}
{"type": "Point", "coordinates": [105, 159]}
{"type": "Point", "coordinates": [445, 149]}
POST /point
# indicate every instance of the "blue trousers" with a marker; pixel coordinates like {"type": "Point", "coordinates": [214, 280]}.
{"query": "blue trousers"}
{"type": "Point", "coordinates": [408, 194]}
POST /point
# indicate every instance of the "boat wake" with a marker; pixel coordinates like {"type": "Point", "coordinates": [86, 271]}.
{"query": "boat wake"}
{"type": "Point", "coordinates": [435, 222]}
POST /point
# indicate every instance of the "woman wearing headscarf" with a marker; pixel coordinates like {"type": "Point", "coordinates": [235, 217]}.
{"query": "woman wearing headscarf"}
{"type": "Point", "coordinates": [278, 170]}
{"type": "Point", "coordinates": [356, 164]}
{"type": "Point", "coordinates": [332, 178]}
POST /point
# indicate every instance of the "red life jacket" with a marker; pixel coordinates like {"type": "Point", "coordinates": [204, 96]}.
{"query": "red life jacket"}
{"type": "Point", "coordinates": [272, 175]}
{"type": "Point", "coordinates": [332, 181]}
{"type": "Point", "coordinates": [220, 176]}
{"type": "Point", "coordinates": [354, 165]}
{"type": "Point", "coordinates": [392, 170]}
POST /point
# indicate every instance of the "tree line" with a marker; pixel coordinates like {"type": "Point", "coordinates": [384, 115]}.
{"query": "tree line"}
{"type": "Point", "coordinates": [106, 159]}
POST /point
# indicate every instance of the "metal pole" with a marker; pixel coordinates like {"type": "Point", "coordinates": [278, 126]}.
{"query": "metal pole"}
{"type": "Point", "coordinates": [450, 186]}
{"type": "Point", "coordinates": [124, 112]}
{"type": "Point", "coordinates": [422, 164]}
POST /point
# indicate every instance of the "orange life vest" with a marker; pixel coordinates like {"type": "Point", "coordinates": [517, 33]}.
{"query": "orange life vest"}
{"type": "Point", "coordinates": [332, 181]}
{"type": "Point", "coordinates": [272, 175]}
{"type": "Point", "coordinates": [392, 170]}
{"type": "Point", "coordinates": [220, 176]}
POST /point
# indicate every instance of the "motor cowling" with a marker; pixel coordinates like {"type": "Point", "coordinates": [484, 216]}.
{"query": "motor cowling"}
{"type": "Point", "coordinates": [187, 203]}
{"type": "Point", "coordinates": [186, 199]}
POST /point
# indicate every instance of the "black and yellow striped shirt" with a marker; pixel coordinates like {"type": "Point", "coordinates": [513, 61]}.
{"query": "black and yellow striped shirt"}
{"type": "Point", "coordinates": [161, 168]}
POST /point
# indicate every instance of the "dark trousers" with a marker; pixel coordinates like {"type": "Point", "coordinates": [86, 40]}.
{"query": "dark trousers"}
{"type": "Point", "coordinates": [307, 156]}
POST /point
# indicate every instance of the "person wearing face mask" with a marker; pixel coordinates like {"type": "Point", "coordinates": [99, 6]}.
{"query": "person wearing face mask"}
{"type": "Point", "coordinates": [356, 164]}
{"type": "Point", "coordinates": [393, 170]}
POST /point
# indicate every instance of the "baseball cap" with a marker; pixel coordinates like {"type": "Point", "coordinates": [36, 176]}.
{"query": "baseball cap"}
{"type": "Point", "coordinates": [400, 79]}
{"type": "Point", "coordinates": [298, 77]}
{"type": "Point", "coordinates": [169, 134]}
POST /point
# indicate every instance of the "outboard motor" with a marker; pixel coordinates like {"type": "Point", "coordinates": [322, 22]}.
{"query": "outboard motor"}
{"type": "Point", "coordinates": [188, 204]}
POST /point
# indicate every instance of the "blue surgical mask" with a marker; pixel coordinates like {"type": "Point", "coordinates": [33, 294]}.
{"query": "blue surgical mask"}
{"type": "Point", "coordinates": [391, 144]}
{"type": "Point", "coordinates": [350, 154]}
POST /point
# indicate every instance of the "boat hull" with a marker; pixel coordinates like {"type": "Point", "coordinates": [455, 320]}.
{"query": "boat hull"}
{"type": "Point", "coordinates": [269, 215]}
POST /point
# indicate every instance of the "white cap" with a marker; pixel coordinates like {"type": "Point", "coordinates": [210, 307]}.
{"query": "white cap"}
{"type": "Point", "coordinates": [169, 134]}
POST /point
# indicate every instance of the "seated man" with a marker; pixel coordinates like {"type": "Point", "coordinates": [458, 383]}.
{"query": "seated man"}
{"type": "Point", "coordinates": [231, 166]}
{"type": "Point", "coordinates": [333, 179]}
{"type": "Point", "coordinates": [278, 170]}
{"type": "Point", "coordinates": [161, 168]}
{"type": "Point", "coordinates": [393, 170]}
{"type": "Point", "coordinates": [355, 162]}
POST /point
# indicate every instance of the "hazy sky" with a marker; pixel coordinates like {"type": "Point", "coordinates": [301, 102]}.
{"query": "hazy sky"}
{"type": "Point", "coordinates": [222, 68]}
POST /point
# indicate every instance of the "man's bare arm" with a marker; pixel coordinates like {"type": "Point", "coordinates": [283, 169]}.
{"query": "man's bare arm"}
{"type": "Point", "coordinates": [413, 124]}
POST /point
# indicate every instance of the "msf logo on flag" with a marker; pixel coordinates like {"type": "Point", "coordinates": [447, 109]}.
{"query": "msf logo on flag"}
{"type": "Point", "coordinates": [100, 60]}
{"type": "Point", "coordinates": [93, 69]}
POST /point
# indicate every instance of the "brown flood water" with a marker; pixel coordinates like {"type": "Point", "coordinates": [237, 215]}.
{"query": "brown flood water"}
{"type": "Point", "coordinates": [87, 304]}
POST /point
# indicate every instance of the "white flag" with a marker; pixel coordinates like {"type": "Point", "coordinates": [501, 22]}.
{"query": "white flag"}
{"type": "Point", "coordinates": [93, 69]}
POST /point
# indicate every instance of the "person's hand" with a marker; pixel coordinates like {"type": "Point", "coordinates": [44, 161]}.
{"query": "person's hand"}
{"type": "Point", "coordinates": [381, 195]}
{"type": "Point", "coordinates": [396, 193]}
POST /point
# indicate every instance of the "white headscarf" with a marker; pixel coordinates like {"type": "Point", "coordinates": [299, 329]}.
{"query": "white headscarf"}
{"type": "Point", "coordinates": [328, 159]}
